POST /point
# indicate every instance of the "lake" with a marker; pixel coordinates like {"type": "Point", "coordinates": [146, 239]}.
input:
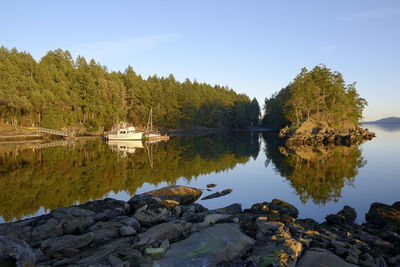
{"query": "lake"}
{"type": "Point", "coordinates": [37, 178]}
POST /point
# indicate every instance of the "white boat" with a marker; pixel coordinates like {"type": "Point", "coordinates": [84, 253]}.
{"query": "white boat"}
{"type": "Point", "coordinates": [125, 133]}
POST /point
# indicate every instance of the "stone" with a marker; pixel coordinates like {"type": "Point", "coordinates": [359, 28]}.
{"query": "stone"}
{"type": "Point", "coordinates": [211, 185]}
{"type": "Point", "coordinates": [218, 194]}
{"type": "Point", "coordinates": [54, 244]}
{"type": "Point", "coordinates": [101, 254]}
{"type": "Point", "coordinates": [105, 230]}
{"type": "Point", "coordinates": [320, 257]}
{"type": "Point", "coordinates": [71, 211]}
{"type": "Point", "coordinates": [265, 226]}
{"type": "Point", "coordinates": [169, 203]}
{"type": "Point", "coordinates": [74, 224]}
{"type": "Point", "coordinates": [110, 204]}
{"type": "Point", "coordinates": [183, 194]}
{"type": "Point", "coordinates": [49, 228]}
{"type": "Point", "coordinates": [348, 213]}
{"type": "Point", "coordinates": [171, 231]}
{"type": "Point", "coordinates": [335, 219]}
{"type": "Point", "coordinates": [284, 208]}
{"type": "Point", "coordinates": [69, 252]}
{"type": "Point", "coordinates": [233, 209]}
{"type": "Point", "coordinates": [346, 216]}
{"type": "Point", "coordinates": [127, 230]}
{"type": "Point", "coordinates": [148, 210]}
{"type": "Point", "coordinates": [130, 221]}
{"type": "Point", "coordinates": [155, 253]}
{"type": "Point", "coordinates": [380, 214]}
{"type": "Point", "coordinates": [117, 262]}
{"type": "Point", "coordinates": [165, 244]}
{"type": "Point", "coordinates": [16, 252]}
{"type": "Point", "coordinates": [208, 220]}
{"type": "Point", "coordinates": [219, 243]}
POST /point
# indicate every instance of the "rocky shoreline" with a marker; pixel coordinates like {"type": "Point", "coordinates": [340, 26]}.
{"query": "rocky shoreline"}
{"type": "Point", "coordinates": [325, 136]}
{"type": "Point", "coordinates": [166, 227]}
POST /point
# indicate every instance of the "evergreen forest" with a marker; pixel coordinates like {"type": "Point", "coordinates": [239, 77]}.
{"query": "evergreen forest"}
{"type": "Point", "coordinates": [320, 95]}
{"type": "Point", "coordinates": [59, 92]}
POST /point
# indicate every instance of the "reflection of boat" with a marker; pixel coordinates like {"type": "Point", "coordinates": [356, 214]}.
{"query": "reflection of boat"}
{"type": "Point", "coordinates": [152, 135]}
{"type": "Point", "coordinates": [125, 146]}
{"type": "Point", "coordinates": [124, 133]}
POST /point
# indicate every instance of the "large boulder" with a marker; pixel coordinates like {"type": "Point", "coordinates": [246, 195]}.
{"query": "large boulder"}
{"type": "Point", "coordinates": [148, 210]}
{"type": "Point", "coordinates": [15, 252]}
{"type": "Point", "coordinates": [277, 207]}
{"type": "Point", "coordinates": [380, 215]}
{"type": "Point", "coordinates": [220, 243]}
{"type": "Point", "coordinates": [182, 194]}
{"type": "Point", "coordinates": [346, 216]}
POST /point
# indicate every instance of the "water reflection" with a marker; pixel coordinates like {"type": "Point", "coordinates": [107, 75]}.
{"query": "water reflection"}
{"type": "Point", "coordinates": [318, 174]}
{"type": "Point", "coordinates": [56, 175]}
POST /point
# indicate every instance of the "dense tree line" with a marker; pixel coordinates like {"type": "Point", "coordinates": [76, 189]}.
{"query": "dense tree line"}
{"type": "Point", "coordinates": [63, 176]}
{"type": "Point", "coordinates": [320, 95]}
{"type": "Point", "coordinates": [60, 92]}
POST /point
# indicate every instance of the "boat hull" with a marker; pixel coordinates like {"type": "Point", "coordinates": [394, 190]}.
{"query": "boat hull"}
{"type": "Point", "coordinates": [130, 136]}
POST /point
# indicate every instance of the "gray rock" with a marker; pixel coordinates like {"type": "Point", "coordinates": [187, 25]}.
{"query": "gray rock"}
{"type": "Point", "coordinates": [380, 215]}
{"type": "Point", "coordinates": [127, 230]}
{"type": "Point", "coordinates": [105, 230]}
{"type": "Point", "coordinates": [54, 244]}
{"type": "Point", "coordinates": [99, 206]}
{"type": "Point", "coordinates": [208, 220]}
{"type": "Point", "coordinates": [100, 254]}
{"type": "Point", "coordinates": [16, 252]}
{"type": "Point", "coordinates": [218, 194]}
{"type": "Point", "coordinates": [74, 224]}
{"type": "Point", "coordinates": [130, 221]}
{"type": "Point", "coordinates": [233, 209]}
{"type": "Point", "coordinates": [117, 262]}
{"type": "Point", "coordinates": [318, 258]}
{"type": "Point", "coordinates": [183, 194]}
{"type": "Point", "coordinates": [165, 244]}
{"type": "Point", "coordinates": [209, 247]}
{"type": "Point", "coordinates": [50, 228]}
{"type": "Point", "coordinates": [71, 211]}
{"type": "Point", "coordinates": [284, 208]}
{"type": "Point", "coordinates": [171, 231]}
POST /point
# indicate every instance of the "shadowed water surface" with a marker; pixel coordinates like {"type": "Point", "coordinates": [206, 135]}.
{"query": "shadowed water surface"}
{"type": "Point", "coordinates": [35, 179]}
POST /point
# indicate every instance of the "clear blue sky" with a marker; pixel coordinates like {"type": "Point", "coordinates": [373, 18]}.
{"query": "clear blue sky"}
{"type": "Point", "coordinates": [254, 47]}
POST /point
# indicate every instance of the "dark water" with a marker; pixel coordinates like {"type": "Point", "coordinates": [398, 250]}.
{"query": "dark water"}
{"type": "Point", "coordinates": [36, 179]}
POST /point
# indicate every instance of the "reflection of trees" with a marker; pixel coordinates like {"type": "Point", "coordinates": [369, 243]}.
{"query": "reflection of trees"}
{"type": "Point", "coordinates": [316, 173]}
{"type": "Point", "coordinates": [62, 176]}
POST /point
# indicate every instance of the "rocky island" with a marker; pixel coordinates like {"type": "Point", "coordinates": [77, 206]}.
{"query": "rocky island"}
{"type": "Point", "coordinates": [317, 108]}
{"type": "Point", "coordinates": [166, 227]}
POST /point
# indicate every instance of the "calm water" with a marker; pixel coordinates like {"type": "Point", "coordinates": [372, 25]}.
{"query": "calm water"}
{"type": "Point", "coordinates": [36, 179]}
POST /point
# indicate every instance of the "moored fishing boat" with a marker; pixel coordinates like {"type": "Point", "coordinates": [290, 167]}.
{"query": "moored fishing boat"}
{"type": "Point", "coordinates": [124, 133]}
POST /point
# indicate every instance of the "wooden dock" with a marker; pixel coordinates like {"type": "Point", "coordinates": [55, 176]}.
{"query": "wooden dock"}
{"type": "Point", "coordinates": [56, 132]}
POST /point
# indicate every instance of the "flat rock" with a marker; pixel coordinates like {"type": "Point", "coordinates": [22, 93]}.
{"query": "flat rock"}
{"type": "Point", "coordinates": [54, 244]}
{"type": "Point", "coordinates": [209, 247]}
{"type": "Point", "coordinates": [183, 194]}
{"type": "Point", "coordinates": [218, 194]}
{"type": "Point", "coordinates": [320, 257]}
{"type": "Point", "coordinates": [16, 252]}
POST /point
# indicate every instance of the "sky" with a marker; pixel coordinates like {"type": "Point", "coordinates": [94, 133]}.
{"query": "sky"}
{"type": "Point", "coordinates": [254, 47]}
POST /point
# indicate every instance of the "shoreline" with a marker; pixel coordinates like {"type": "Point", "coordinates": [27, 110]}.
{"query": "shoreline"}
{"type": "Point", "coordinates": [165, 227]}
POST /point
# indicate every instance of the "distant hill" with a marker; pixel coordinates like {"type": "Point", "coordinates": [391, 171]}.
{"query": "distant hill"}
{"type": "Point", "coordinates": [391, 121]}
